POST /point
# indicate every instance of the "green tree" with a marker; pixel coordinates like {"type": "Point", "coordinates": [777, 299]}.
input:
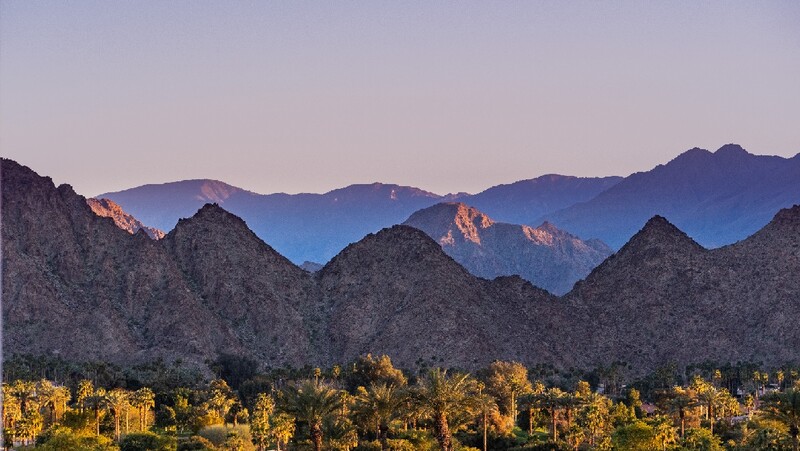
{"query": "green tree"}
{"type": "Point", "coordinates": [449, 399]}
{"type": "Point", "coordinates": [118, 402]}
{"type": "Point", "coordinates": [259, 422]}
{"type": "Point", "coordinates": [637, 436]}
{"type": "Point", "coordinates": [147, 441]}
{"type": "Point", "coordinates": [377, 407]}
{"type": "Point", "coordinates": [700, 439]}
{"type": "Point", "coordinates": [143, 400]}
{"type": "Point", "coordinates": [680, 402]}
{"type": "Point", "coordinates": [97, 403]}
{"type": "Point", "coordinates": [312, 403]}
{"type": "Point", "coordinates": [551, 401]}
{"type": "Point", "coordinates": [507, 381]}
{"type": "Point", "coordinates": [85, 389]}
{"type": "Point", "coordinates": [281, 429]}
{"type": "Point", "coordinates": [785, 408]}
{"type": "Point", "coordinates": [221, 398]}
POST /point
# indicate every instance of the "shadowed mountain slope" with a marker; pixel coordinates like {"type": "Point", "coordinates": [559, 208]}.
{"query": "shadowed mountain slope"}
{"type": "Point", "coordinates": [76, 285]}
{"type": "Point", "coordinates": [546, 256]}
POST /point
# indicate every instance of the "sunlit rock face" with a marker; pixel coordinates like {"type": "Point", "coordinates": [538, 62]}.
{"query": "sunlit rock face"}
{"type": "Point", "coordinates": [545, 256]}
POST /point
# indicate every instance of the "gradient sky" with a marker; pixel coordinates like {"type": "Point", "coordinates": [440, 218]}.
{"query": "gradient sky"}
{"type": "Point", "coordinates": [310, 96]}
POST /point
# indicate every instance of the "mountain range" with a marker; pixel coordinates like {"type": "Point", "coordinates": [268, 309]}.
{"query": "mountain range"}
{"type": "Point", "coordinates": [76, 285]}
{"type": "Point", "coordinates": [716, 198]}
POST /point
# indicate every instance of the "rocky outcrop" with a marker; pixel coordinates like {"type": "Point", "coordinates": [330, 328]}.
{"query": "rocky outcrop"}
{"type": "Point", "coordinates": [109, 209]}
{"type": "Point", "coordinates": [546, 256]}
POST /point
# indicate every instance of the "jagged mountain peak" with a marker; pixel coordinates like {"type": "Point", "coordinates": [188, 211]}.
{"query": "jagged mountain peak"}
{"type": "Point", "coordinates": [456, 220]}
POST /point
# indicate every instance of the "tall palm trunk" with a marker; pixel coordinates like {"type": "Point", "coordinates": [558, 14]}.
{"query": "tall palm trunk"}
{"type": "Point", "coordinates": [442, 432]}
{"type": "Point", "coordinates": [485, 427]}
{"type": "Point", "coordinates": [383, 435]}
{"type": "Point", "coordinates": [316, 436]}
{"type": "Point", "coordinates": [553, 431]}
{"type": "Point", "coordinates": [97, 420]}
{"type": "Point", "coordinates": [682, 414]}
{"type": "Point", "coordinates": [116, 425]}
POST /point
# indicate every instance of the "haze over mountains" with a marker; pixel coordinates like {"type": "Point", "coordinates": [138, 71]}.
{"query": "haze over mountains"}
{"type": "Point", "coordinates": [76, 285]}
{"type": "Point", "coordinates": [546, 256]}
{"type": "Point", "coordinates": [717, 198]}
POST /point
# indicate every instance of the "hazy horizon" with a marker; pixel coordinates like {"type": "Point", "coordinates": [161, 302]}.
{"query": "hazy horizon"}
{"type": "Point", "coordinates": [446, 97]}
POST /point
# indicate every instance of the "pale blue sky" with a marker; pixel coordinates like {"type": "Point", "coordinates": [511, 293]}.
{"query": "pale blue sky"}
{"type": "Point", "coordinates": [446, 96]}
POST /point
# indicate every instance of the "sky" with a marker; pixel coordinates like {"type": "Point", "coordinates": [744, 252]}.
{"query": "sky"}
{"type": "Point", "coordinates": [446, 96]}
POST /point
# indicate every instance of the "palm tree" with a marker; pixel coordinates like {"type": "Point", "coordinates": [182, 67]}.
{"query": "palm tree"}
{"type": "Point", "coordinates": [379, 406]}
{"type": "Point", "coordinates": [551, 400]}
{"type": "Point", "coordinates": [664, 432]}
{"type": "Point", "coordinates": [97, 403]}
{"type": "Point", "coordinates": [785, 408]}
{"type": "Point", "coordinates": [143, 400]}
{"type": "Point", "coordinates": [486, 405]}
{"type": "Point", "coordinates": [260, 421]}
{"type": "Point", "coordinates": [281, 428]}
{"type": "Point", "coordinates": [710, 397]}
{"type": "Point", "coordinates": [312, 403]}
{"type": "Point", "coordinates": [12, 413]}
{"type": "Point", "coordinates": [118, 401]}
{"type": "Point", "coordinates": [681, 401]}
{"type": "Point", "coordinates": [444, 397]}
{"type": "Point", "coordinates": [85, 389]}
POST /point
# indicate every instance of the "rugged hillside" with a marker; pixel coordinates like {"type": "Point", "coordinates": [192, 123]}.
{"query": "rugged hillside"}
{"type": "Point", "coordinates": [717, 198]}
{"type": "Point", "coordinates": [395, 292]}
{"type": "Point", "coordinates": [663, 298]}
{"type": "Point", "coordinates": [76, 285]}
{"type": "Point", "coordinates": [546, 256]}
{"type": "Point", "coordinates": [525, 201]}
{"type": "Point", "coordinates": [108, 209]}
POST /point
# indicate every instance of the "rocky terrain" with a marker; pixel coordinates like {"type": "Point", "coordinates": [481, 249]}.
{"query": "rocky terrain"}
{"type": "Point", "coordinates": [109, 209]}
{"type": "Point", "coordinates": [76, 285]}
{"type": "Point", "coordinates": [545, 256]}
{"type": "Point", "coordinates": [716, 198]}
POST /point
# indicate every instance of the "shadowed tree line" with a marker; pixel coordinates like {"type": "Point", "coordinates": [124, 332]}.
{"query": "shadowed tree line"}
{"type": "Point", "coordinates": [369, 404]}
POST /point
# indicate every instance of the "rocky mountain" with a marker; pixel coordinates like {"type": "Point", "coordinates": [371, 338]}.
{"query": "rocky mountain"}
{"type": "Point", "coordinates": [525, 201]}
{"type": "Point", "coordinates": [717, 198]}
{"type": "Point", "coordinates": [546, 256]}
{"type": "Point", "coordinates": [663, 298]}
{"type": "Point", "coordinates": [109, 209]}
{"type": "Point", "coordinates": [76, 285]}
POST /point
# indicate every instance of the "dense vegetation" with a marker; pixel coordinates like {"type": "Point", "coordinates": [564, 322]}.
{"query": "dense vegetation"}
{"type": "Point", "coordinates": [371, 405]}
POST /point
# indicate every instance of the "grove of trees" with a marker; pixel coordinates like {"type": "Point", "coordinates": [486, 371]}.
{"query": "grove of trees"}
{"type": "Point", "coordinates": [369, 404]}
